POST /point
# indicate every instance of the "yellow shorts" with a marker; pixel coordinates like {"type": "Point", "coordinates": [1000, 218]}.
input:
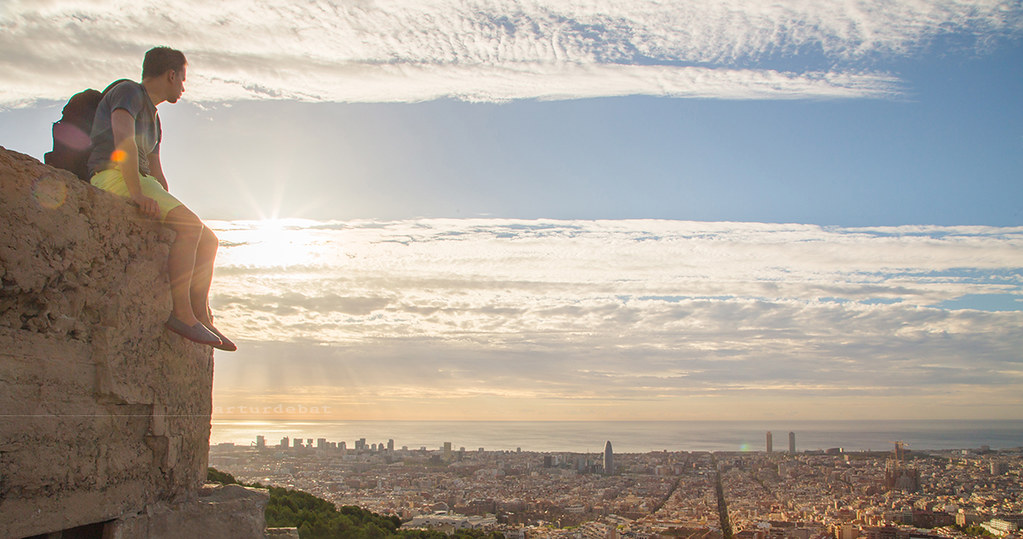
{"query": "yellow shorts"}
{"type": "Point", "coordinates": [112, 181]}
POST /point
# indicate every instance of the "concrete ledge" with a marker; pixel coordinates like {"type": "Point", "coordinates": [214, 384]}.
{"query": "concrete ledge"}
{"type": "Point", "coordinates": [223, 511]}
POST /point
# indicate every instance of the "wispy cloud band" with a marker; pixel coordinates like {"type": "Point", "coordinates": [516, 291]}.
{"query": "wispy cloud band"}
{"type": "Point", "coordinates": [633, 310]}
{"type": "Point", "coordinates": [388, 51]}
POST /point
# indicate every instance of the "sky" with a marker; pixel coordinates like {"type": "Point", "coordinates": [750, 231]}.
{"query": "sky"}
{"type": "Point", "coordinates": [583, 209]}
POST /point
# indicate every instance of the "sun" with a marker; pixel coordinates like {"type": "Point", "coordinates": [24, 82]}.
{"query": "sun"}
{"type": "Point", "coordinates": [268, 243]}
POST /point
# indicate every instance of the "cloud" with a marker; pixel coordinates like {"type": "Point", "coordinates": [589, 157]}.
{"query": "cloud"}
{"type": "Point", "coordinates": [407, 51]}
{"type": "Point", "coordinates": [288, 303]}
{"type": "Point", "coordinates": [644, 311]}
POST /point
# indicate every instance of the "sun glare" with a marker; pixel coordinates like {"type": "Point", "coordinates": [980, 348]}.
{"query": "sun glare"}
{"type": "Point", "coordinates": [268, 243]}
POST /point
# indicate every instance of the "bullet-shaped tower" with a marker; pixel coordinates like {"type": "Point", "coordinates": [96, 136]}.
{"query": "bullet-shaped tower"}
{"type": "Point", "coordinates": [609, 459]}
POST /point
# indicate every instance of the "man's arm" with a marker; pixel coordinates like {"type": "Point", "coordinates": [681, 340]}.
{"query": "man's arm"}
{"type": "Point", "coordinates": [122, 123]}
{"type": "Point", "coordinates": [156, 169]}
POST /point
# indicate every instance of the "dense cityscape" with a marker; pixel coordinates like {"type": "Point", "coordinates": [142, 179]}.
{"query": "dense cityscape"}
{"type": "Point", "coordinates": [899, 494]}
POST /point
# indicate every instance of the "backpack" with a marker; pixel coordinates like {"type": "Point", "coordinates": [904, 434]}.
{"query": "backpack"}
{"type": "Point", "coordinates": [71, 134]}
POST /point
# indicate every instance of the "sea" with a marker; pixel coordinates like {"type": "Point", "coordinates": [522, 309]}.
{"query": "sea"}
{"type": "Point", "coordinates": [635, 436]}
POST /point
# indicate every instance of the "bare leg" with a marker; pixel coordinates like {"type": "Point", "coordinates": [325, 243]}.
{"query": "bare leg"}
{"type": "Point", "coordinates": [181, 261]}
{"type": "Point", "coordinates": [202, 275]}
{"type": "Point", "coordinates": [199, 288]}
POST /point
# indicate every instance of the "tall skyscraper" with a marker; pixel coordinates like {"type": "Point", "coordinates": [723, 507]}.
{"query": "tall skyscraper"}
{"type": "Point", "coordinates": [260, 441]}
{"type": "Point", "coordinates": [609, 459]}
{"type": "Point", "coordinates": [770, 444]}
{"type": "Point", "coordinates": [792, 442]}
{"type": "Point", "coordinates": [390, 445]}
{"type": "Point", "coordinates": [285, 442]}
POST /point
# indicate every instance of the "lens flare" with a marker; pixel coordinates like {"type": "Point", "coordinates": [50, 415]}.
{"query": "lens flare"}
{"type": "Point", "coordinates": [118, 156]}
{"type": "Point", "coordinates": [71, 136]}
{"type": "Point", "coordinates": [49, 192]}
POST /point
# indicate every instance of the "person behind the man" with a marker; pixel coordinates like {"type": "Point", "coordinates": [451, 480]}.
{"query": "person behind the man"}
{"type": "Point", "coordinates": [125, 160]}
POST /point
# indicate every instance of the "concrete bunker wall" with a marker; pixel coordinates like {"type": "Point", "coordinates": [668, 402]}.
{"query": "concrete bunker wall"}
{"type": "Point", "coordinates": [102, 412]}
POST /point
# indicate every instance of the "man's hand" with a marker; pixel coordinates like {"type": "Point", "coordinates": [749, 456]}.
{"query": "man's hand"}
{"type": "Point", "coordinates": [147, 206]}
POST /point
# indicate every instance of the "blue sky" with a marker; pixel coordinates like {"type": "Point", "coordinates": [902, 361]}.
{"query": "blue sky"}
{"type": "Point", "coordinates": [927, 131]}
{"type": "Point", "coordinates": [478, 187]}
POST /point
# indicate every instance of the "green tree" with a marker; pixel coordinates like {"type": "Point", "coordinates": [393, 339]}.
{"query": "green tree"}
{"type": "Point", "coordinates": [317, 518]}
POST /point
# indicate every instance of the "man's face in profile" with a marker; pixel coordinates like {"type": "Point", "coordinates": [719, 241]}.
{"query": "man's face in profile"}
{"type": "Point", "coordinates": [177, 84]}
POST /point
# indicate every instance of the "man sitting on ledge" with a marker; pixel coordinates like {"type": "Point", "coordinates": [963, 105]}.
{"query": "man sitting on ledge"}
{"type": "Point", "coordinates": [125, 160]}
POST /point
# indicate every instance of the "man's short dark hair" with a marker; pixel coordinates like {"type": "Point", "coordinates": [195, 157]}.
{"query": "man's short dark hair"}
{"type": "Point", "coordinates": [160, 60]}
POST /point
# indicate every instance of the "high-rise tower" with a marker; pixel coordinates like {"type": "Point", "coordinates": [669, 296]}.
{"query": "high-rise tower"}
{"type": "Point", "coordinates": [792, 442]}
{"type": "Point", "coordinates": [609, 459]}
{"type": "Point", "coordinates": [770, 444]}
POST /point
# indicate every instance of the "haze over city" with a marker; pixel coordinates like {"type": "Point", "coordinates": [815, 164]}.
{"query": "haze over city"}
{"type": "Point", "coordinates": [600, 210]}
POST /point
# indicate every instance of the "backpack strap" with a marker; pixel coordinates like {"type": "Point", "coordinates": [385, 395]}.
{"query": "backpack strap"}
{"type": "Point", "coordinates": [115, 83]}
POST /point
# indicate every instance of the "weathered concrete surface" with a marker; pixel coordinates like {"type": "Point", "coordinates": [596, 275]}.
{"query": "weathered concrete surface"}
{"type": "Point", "coordinates": [222, 511]}
{"type": "Point", "coordinates": [102, 412]}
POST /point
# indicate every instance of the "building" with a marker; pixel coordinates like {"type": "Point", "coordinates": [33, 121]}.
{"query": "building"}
{"type": "Point", "coordinates": [875, 532]}
{"type": "Point", "coordinates": [898, 477]}
{"type": "Point", "coordinates": [609, 459]}
{"type": "Point", "coordinates": [847, 531]}
{"type": "Point", "coordinates": [792, 442]}
{"type": "Point", "coordinates": [999, 527]}
{"type": "Point", "coordinates": [770, 444]}
{"type": "Point", "coordinates": [260, 442]}
{"type": "Point", "coordinates": [285, 442]}
{"type": "Point", "coordinates": [897, 474]}
{"type": "Point", "coordinates": [449, 523]}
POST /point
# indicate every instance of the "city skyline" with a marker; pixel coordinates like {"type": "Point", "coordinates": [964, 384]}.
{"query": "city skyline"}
{"type": "Point", "coordinates": [815, 494]}
{"type": "Point", "coordinates": [564, 211]}
{"type": "Point", "coordinates": [632, 436]}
